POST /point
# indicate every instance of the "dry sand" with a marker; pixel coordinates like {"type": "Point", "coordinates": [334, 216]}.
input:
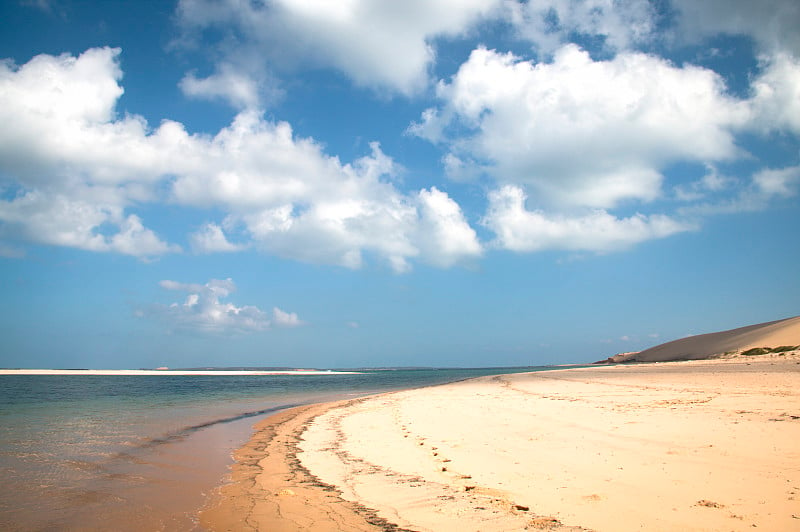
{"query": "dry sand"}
{"type": "Point", "coordinates": [701, 445]}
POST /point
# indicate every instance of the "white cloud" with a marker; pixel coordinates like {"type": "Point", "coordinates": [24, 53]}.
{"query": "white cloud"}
{"type": "Point", "coordinates": [211, 239]}
{"type": "Point", "coordinates": [339, 230]}
{"type": "Point", "coordinates": [391, 44]}
{"type": "Point", "coordinates": [445, 236]}
{"type": "Point", "coordinates": [376, 44]}
{"type": "Point", "coordinates": [285, 319]}
{"type": "Point", "coordinates": [227, 84]}
{"type": "Point", "coordinates": [547, 24]}
{"type": "Point", "coordinates": [60, 220]}
{"type": "Point", "coordinates": [76, 166]}
{"type": "Point", "coordinates": [583, 137]}
{"type": "Point", "coordinates": [80, 171]}
{"type": "Point", "coordinates": [712, 182]}
{"type": "Point", "coordinates": [295, 202]}
{"type": "Point", "coordinates": [579, 135]}
{"type": "Point", "coordinates": [764, 187]}
{"type": "Point", "coordinates": [203, 310]}
{"type": "Point", "coordinates": [459, 170]}
{"type": "Point", "coordinates": [57, 220]}
{"type": "Point", "coordinates": [782, 182]}
{"type": "Point", "coordinates": [519, 229]}
{"type": "Point", "coordinates": [135, 239]}
{"type": "Point", "coordinates": [254, 164]}
{"type": "Point", "coordinates": [776, 98]}
{"type": "Point", "coordinates": [429, 227]}
{"type": "Point", "coordinates": [624, 24]}
{"type": "Point", "coordinates": [581, 132]}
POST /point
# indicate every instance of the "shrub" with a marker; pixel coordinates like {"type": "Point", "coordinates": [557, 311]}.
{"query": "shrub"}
{"type": "Point", "coordinates": [784, 348]}
{"type": "Point", "coordinates": [756, 351]}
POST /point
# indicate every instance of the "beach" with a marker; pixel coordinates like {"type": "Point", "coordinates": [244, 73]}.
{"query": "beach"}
{"type": "Point", "coordinates": [697, 445]}
{"type": "Point", "coordinates": [144, 450]}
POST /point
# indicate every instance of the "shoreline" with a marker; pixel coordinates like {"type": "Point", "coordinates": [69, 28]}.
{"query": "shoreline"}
{"type": "Point", "coordinates": [524, 451]}
{"type": "Point", "coordinates": [269, 489]}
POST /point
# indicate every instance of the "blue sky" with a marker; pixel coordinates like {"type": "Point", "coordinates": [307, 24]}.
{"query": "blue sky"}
{"type": "Point", "coordinates": [362, 183]}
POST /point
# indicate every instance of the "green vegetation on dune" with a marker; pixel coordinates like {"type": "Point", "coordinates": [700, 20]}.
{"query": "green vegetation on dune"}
{"type": "Point", "coordinates": [766, 350]}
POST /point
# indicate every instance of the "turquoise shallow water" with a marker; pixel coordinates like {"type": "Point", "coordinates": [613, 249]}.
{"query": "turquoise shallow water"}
{"type": "Point", "coordinates": [84, 452]}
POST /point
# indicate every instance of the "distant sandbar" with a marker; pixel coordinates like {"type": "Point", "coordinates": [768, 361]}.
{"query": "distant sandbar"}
{"type": "Point", "coordinates": [217, 373]}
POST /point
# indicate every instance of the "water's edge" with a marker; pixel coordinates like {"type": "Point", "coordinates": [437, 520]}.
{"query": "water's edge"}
{"type": "Point", "coordinates": [147, 452]}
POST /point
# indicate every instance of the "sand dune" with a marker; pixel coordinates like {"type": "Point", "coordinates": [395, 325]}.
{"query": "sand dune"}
{"type": "Point", "coordinates": [703, 346]}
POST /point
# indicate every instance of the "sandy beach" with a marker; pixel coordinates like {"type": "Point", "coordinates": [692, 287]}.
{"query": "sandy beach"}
{"type": "Point", "coordinates": [699, 445]}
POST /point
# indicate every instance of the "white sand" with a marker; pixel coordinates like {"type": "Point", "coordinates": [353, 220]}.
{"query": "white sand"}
{"type": "Point", "coordinates": [711, 445]}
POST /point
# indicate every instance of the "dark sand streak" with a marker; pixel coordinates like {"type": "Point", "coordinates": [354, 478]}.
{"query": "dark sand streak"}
{"type": "Point", "coordinates": [271, 490]}
{"type": "Point", "coordinates": [188, 431]}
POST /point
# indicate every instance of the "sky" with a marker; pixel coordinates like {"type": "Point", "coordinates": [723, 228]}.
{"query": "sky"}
{"type": "Point", "coordinates": [361, 183]}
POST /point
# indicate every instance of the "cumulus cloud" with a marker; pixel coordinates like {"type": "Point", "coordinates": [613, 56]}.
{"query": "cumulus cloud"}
{"type": "Point", "coordinates": [626, 117]}
{"type": "Point", "coordinates": [57, 219]}
{"type": "Point", "coordinates": [392, 45]}
{"type": "Point", "coordinates": [547, 24]}
{"type": "Point", "coordinates": [211, 239]}
{"type": "Point", "coordinates": [629, 24]}
{"type": "Point", "coordinates": [203, 310]}
{"type": "Point", "coordinates": [776, 98]}
{"type": "Point", "coordinates": [376, 44]}
{"type": "Point", "coordinates": [519, 229]}
{"type": "Point", "coordinates": [445, 236]}
{"type": "Point", "coordinates": [234, 87]}
{"type": "Point", "coordinates": [295, 202]}
{"type": "Point", "coordinates": [66, 125]}
{"type": "Point", "coordinates": [79, 172]}
{"type": "Point", "coordinates": [583, 137]}
{"type": "Point", "coordinates": [577, 137]}
{"type": "Point", "coordinates": [76, 167]}
{"type": "Point", "coordinates": [135, 239]}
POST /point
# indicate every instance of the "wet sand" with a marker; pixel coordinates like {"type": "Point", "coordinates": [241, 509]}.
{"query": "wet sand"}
{"type": "Point", "coordinates": [700, 445]}
{"type": "Point", "coordinates": [158, 484]}
{"type": "Point", "coordinates": [271, 490]}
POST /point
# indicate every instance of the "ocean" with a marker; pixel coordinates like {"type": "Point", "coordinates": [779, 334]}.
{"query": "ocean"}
{"type": "Point", "coordinates": [97, 452]}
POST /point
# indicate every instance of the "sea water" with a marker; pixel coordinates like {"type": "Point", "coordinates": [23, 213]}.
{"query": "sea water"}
{"type": "Point", "coordinates": [91, 452]}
